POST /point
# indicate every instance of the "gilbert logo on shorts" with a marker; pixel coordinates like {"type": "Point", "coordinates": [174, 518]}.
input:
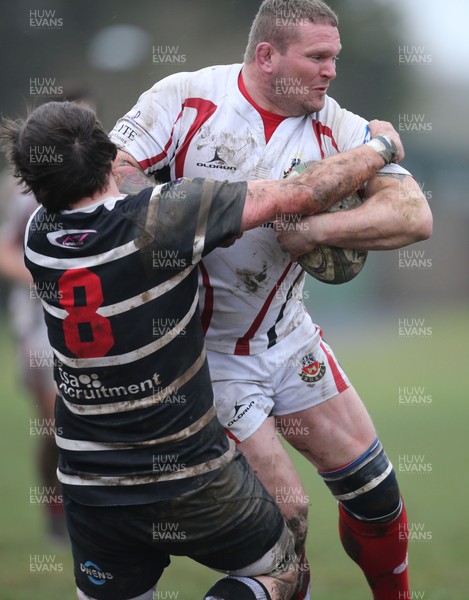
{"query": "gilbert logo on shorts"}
{"type": "Point", "coordinates": [94, 573]}
{"type": "Point", "coordinates": [311, 369]}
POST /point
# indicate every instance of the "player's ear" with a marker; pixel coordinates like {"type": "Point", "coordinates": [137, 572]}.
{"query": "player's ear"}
{"type": "Point", "coordinates": [267, 57]}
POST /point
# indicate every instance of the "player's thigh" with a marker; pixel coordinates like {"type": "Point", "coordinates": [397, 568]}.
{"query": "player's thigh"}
{"type": "Point", "coordinates": [316, 408]}
{"type": "Point", "coordinates": [243, 404]}
{"type": "Point", "coordinates": [233, 524]}
{"type": "Point", "coordinates": [113, 551]}
{"type": "Point", "coordinates": [242, 392]}
{"type": "Point", "coordinates": [332, 433]}
{"type": "Point", "coordinates": [230, 524]}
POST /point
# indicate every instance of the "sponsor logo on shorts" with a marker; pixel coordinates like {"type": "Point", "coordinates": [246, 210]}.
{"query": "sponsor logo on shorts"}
{"type": "Point", "coordinates": [238, 413]}
{"type": "Point", "coordinates": [94, 573]}
{"type": "Point", "coordinates": [311, 369]}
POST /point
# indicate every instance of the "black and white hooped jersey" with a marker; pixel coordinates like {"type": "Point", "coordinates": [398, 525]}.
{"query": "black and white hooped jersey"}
{"type": "Point", "coordinates": [202, 124]}
{"type": "Point", "coordinates": [118, 282]}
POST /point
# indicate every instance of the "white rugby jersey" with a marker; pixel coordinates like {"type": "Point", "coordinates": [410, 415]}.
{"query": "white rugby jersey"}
{"type": "Point", "coordinates": [201, 125]}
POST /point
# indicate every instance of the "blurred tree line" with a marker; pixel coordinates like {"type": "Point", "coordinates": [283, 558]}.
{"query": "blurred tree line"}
{"type": "Point", "coordinates": [370, 82]}
{"type": "Point", "coordinates": [206, 32]}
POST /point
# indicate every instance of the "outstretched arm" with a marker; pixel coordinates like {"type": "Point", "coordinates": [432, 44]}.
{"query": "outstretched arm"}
{"type": "Point", "coordinates": [318, 187]}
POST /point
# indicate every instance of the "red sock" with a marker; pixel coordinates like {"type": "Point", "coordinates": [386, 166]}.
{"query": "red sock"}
{"type": "Point", "coordinates": [380, 549]}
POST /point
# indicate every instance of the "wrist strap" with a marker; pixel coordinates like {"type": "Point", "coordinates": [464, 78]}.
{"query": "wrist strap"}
{"type": "Point", "coordinates": [385, 147]}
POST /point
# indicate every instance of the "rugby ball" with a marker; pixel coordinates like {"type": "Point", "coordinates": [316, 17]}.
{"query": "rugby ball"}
{"type": "Point", "coordinates": [331, 264]}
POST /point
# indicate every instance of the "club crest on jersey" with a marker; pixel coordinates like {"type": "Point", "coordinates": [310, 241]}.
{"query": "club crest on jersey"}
{"type": "Point", "coordinates": [311, 369]}
{"type": "Point", "coordinates": [294, 163]}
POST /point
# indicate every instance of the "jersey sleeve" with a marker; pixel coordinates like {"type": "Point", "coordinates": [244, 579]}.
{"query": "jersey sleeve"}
{"type": "Point", "coordinates": [191, 217]}
{"type": "Point", "coordinates": [341, 130]}
{"type": "Point", "coordinates": [149, 131]}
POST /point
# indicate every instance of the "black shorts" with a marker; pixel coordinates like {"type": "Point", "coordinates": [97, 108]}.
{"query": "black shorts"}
{"type": "Point", "coordinates": [120, 552]}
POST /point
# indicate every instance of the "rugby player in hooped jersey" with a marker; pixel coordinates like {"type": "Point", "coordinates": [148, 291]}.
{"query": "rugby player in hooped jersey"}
{"type": "Point", "coordinates": [144, 474]}
{"type": "Point", "coordinates": [253, 121]}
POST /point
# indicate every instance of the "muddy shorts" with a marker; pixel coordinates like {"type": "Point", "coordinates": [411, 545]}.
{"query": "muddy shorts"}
{"type": "Point", "coordinates": [231, 524]}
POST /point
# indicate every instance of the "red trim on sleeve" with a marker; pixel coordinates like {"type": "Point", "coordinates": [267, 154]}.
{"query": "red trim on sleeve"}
{"type": "Point", "coordinates": [149, 162]}
{"type": "Point", "coordinates": [205, 109]}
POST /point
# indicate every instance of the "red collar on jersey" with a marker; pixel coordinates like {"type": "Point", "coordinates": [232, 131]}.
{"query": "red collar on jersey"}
{"type": "Point", "coordinates": [271, 120]}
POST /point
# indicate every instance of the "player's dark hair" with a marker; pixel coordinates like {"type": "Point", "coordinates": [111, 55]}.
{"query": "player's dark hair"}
{"type": "Point", "coordinates": [278, 22]}
{"type": "Point", "coordinates": [60, 152]}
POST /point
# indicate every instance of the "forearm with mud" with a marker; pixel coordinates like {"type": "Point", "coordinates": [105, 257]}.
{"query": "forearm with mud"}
{"type": "Point", "coordinates": [314, 191]}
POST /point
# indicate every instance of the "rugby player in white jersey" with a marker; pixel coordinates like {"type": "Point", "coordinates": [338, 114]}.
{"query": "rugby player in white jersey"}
{"type": "Point", "coordinates": [146, 468]}
{"type": "Point", "coordinates": [268, 362]}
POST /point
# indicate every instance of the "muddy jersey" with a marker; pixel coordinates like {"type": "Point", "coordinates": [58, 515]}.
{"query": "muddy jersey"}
{"type": "Point", "coordinates": [118, 283]}
{"type": "Point", "coordinates": [202, 125]}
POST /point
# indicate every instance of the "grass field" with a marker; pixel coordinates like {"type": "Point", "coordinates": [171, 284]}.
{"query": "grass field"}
{"type": "Point", "coordinates": [386, 368]}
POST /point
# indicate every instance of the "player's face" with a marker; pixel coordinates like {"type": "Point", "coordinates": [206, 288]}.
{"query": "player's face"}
{"type": "Point", "coordinates": [304, 72]}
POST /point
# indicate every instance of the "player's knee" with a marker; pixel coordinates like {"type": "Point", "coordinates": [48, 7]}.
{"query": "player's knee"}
{"type": "Point", "coordinates": [277, 569]}
{"type": "Point", "coordinates": [250, 588]}
{"type": "Point", "coordinates": [238, 588]}
{"type": "Point", "coordinates": [367, 488]}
